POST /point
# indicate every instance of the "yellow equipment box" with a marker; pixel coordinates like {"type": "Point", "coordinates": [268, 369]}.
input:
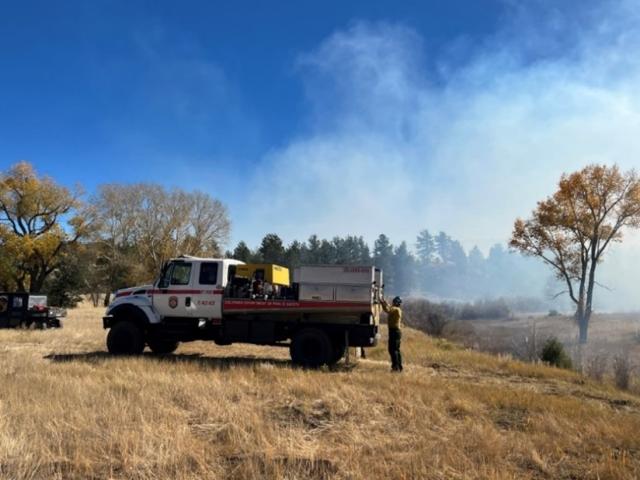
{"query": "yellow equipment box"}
{"type": "Point", "coordinates": [274, 274]}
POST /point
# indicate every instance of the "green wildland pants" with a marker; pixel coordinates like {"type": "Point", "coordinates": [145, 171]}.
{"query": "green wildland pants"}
{"type": "Point", "coordinates": [394, 349]}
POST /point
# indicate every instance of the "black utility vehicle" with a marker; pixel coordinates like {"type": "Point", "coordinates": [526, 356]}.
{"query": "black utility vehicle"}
{"type": "Point", "coordinates": [21, 310]}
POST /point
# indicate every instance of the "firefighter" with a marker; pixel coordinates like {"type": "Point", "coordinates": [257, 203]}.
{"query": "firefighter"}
{"type": "Point", "coordinates": [394, 322]}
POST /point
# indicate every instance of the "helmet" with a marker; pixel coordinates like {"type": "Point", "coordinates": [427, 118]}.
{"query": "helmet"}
{"type": "Point", "coordinates": [397, 301]}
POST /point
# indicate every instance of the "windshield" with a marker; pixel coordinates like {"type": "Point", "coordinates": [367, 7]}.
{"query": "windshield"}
{"type": "Point", "coordinates": [176, 273]}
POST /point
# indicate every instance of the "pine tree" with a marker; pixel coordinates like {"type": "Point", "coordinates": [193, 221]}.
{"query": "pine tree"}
{"type": "Point", "coordinates": [327, 253]}
{"type": "Point", "coordinates": [311, 254]}
{"type": "Point", "coordinates": [242, 252]}
{"type": "Point", "coordinates": [426, 247]}
{"type": "Point", "coordinates": [383, 258]}
{"type": "Point", "coordinates": [404, 270]}
{"type": "Point", "coordinates": [294, 254]}
{"type": "Point", "coordinates": [476, 259]}
{"type": "Point", "coordinates": [271, 249]}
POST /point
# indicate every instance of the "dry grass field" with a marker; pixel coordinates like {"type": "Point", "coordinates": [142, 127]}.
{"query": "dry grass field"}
{"type": "Point", "coordinates": [67, 410]}
{"type": "Point", "coordinates": [610, 334]}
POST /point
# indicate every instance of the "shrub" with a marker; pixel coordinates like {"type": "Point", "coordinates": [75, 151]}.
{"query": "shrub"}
{"type": "Point", "coordinates": [622, 371]}
{"type": "Point", "coordinates": [484, 309]}
{"type": "Point", "coordinates": [462, 332]}
{"type": "Point", "coordinates": [426, 316]}
{"type": "Point", "coordinates": [553, 353]}
{"type": "Point", "coordinates": [527, 304]}
{"type": "Point", "coordinates": [596, 366]}
{"type": "Point", "coordinates": [527, 348]}
{"type": "Point", "coordinates": [553, 313]}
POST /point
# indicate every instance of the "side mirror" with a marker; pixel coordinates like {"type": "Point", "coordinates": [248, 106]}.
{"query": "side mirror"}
{"type": "Point", "coordinates": [163, 281]}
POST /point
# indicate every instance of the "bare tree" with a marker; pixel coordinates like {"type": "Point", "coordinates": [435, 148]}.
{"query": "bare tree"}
{"type": "Point", "coordinates": [116, 208]}
{"type": "Point", "coordinates": [147, 222]}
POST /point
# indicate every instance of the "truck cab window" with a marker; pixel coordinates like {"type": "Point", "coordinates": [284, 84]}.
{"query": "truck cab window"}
{"type": "Point", "coordinates": [208, 273]}
{"type": "Point", "coordinates": [181, 274]}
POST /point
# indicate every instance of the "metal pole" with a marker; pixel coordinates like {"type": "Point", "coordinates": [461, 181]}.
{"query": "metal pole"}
{"type": "Point", "coordinates": [346, 342]}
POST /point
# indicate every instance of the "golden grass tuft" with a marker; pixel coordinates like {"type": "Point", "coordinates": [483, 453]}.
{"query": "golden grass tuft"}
{"type": "Point", "coordinates": [68, 410]}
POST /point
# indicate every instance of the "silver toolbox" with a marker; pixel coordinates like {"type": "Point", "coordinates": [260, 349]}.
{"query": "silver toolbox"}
{"type": "Point", "coordinates": [315, 292]}
{"type": "Point", "coordinates": [335, 274]}
{"type": "Point", "coordinates": [353, 293]}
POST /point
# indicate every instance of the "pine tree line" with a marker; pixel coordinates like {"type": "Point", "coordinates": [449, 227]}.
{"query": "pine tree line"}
{"type": "Point", "coordinates": [437, 265]}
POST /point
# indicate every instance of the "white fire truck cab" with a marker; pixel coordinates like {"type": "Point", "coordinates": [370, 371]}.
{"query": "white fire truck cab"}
{"type": "Point", "coordinates": [324, 310]}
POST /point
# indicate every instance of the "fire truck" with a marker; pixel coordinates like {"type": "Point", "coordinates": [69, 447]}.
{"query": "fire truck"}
{"type": "Point", "coordinates": [317, 316]}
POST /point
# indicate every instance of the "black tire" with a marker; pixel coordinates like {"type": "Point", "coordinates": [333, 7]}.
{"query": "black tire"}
{"type": "Point", "coordinates": [125, 338]}
{"type": "Point", "coordinates": [311, 348]}
{"type": "Point", "coordinates": [162, 347]}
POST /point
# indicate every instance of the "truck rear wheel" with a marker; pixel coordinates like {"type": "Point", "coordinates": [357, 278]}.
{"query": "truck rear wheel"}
{"type": "Point", "coordinates": [125, 338]}
{"type": "Point", "coordinates": [312, 348]}
{"type": "Point", "coordinates": [162, 347]}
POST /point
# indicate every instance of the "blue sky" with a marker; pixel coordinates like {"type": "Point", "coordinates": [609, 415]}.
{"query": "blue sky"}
{"type": "Point", "coordinates": [106, 79]}
{"type": "Point", "coordinates": [115, 91]}
{"type": "Point", "coordinates": [325, 117]}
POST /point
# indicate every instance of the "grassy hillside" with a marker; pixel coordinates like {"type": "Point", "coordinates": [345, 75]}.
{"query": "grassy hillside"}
{"type": "Point", "coordinates": [67, 410]}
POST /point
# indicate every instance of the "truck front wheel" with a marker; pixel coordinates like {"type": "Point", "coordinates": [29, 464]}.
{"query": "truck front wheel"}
{"type": "Point", "coordinates": [311, 348]}
{"type": "Point", "coordinates": [125, 338]}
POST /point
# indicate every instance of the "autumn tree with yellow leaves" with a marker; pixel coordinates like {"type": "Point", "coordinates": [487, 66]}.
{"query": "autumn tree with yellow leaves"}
{"type": "Point", "coordinates": [38, 220]}
{"type": "Point", "coordinates": [572, 229]}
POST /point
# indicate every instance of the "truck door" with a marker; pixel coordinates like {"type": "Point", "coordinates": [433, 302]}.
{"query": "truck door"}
{"type": "Point", "coordinates": [208, 299]}
{"type": "Point", "coordinates": [173, 294]}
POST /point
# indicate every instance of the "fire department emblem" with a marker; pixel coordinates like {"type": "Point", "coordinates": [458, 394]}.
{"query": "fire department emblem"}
{"type": "Point", "coordinates": [173, 302]}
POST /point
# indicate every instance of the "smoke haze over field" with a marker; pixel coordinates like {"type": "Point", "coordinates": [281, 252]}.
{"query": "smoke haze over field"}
{"type": "Point", "coordinates": [464, 140]}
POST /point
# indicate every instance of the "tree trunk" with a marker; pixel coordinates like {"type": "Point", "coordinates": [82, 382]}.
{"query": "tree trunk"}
{"type": "Point", "coordinates": [20, 285]}
{"type": "Point", "coordinates": [585, 316]}
{"type": "Point", "coordinates": [36, 281]}
{"type": "Point", "coordinates": [95, 298]}
{"type": "Point", "coordinates": [583, 325]}
{"type": "Point", "coordinates": [107, 299]}
{"type": "Point", "coordinates": [582, 317]}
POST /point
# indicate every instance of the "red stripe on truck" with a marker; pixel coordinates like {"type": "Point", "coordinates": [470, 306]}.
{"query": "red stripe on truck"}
{"type": "Point", "coordinates": [284, 304]}
{"type": "Point", "coordinates": [174, 292]}
{"type": "Point", "coordinates": [186, 292]}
